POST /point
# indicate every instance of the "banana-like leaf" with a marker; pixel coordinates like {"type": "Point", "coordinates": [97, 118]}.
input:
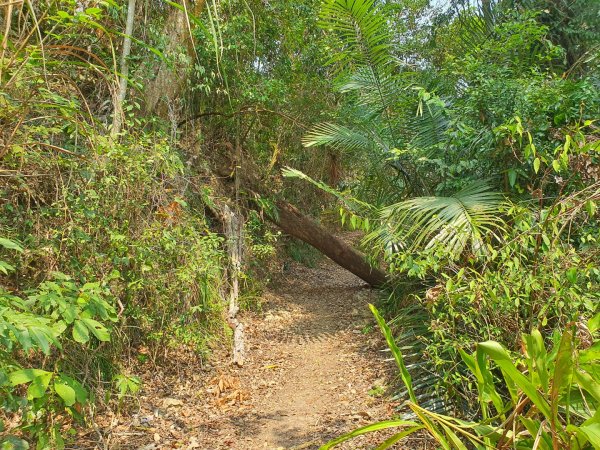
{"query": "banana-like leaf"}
{"type": "Point", "coordinates": [500, 356]}
{"type": "Point", "coordinates": [369, 429]}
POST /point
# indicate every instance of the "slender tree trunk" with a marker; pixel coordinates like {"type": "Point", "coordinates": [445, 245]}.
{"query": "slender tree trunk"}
{"type": "Point", "coordinates": [233, 231]}
{"type": "Point", "coordinates": [295, 224]}
{"type": "Point", "coordinates": [118, 113]}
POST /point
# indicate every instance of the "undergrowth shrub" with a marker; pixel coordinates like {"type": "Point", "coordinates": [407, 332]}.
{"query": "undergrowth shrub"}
{"type": "Point", "coordinates": [107, 255]}
{"type": "Point", "coordinates": [542, 397]}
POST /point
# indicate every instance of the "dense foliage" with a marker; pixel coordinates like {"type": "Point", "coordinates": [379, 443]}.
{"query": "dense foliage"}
{"type": "Point", "coordinates": [461, 138]}
{"type": "Point", "coordinates": [493, 212]}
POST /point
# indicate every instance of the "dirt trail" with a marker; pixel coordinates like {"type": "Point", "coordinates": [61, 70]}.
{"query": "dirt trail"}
{"type": "Point", "coordinates": [315, 370]}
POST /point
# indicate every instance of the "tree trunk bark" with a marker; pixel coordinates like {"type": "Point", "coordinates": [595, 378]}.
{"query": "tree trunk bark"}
{"type": "Point", "coordinates": [294, 223]}
{"type": "Point", "coordinates": [167, 86]}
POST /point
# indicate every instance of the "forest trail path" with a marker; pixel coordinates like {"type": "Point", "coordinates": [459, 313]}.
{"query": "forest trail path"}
{"type": "Point", "coordinates": [314, 365]}
{"type": "Point", "coordinates": [314, 370]}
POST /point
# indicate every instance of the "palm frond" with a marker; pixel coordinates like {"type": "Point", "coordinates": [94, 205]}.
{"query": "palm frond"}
{"type": "Point", "coordinates": [452, 222]}
{"type": "Point", "coordinates": [362, 28]}
{"type": "Point", "coordinates": [338, 137]}
{"type": "Point", "coordinates": [378, 92]}
{"type": "Point", "coordinates": [429, 129]}
{"type": "Point", "coordinates": [352, 203]}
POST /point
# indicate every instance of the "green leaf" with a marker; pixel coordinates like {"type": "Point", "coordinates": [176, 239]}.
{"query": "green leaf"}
{"type": "Point", "coordinates": [592, 432]}
{"type": "Point", "coordinates": [25, 376]}
{"type": "Point", "coordinates": [5, 267]}
{"type": "Point", "coordinates": [536, 165]}
{"type": "Point", "coordinates": [11, 245]}
{"type": "Point", "coordinates": [97, 329]}
{"type": "Point", "coordinates": [80, 393]}
{"type": "Point", "coordinates": [594, 323]}
{"type": "Point", "coordinates": [512, 177]}
{"type": "Point", "coordinates": [454, 438]}
{"type": "Point", "coordinates": [572, 275]}
{"type": "Point", "coordinates": [501, 357]}
{"type": "Point", "coordinates": [368, 429]}
{"type": "Point", "coordinates": [563, 370]}
{"type": "Point", "coordinates": [590, 207]}
{"type": "Point", "coordinates": [12, 442]}
{"type": "Point", "coordinates": [387, 333]}
{"type": "Point", "coordinates": [585, 381]}
{"type": "Point", "coordinates": [398, 437]}
{"type": "Point", "coordinates": [67, 393]}
{"type": "Point", "coordinates": [80, 332]}
{"type": "Point", "coordinates": [39, 386]}
{"type": "Point", "coordinates": [556, 165]}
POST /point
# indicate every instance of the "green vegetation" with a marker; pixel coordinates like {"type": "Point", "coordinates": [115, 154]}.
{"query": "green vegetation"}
{"type": "Point", "coordinates": [492, 130]}
{"type": "Point", "coordinates": [461, 140]}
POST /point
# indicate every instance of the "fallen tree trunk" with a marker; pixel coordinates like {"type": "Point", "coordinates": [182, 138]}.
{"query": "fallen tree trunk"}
{"type": "Point", "coordinates": [297, 225]}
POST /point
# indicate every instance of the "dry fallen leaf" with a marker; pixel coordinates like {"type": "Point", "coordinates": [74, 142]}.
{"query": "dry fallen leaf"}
{"type": "Point", "coordinates": [168, 402]}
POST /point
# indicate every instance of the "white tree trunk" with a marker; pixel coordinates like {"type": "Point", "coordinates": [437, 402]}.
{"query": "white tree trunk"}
{"type": "Point", "coordinates": [233, 231]}
{"type": "Point", "coordinates": [122, 92]}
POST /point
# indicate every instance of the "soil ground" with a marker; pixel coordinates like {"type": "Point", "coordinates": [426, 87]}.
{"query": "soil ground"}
{"type": "Point", "coordinates": [316, 368]}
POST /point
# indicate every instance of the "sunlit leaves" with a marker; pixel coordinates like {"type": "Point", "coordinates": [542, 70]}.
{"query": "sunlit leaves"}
{"type": "Point", "coordinates": [472, 215]}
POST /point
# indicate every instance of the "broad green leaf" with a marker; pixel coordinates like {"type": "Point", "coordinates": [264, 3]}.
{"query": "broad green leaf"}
{"type": "Point", "coordinates": [42, 337]}
{"type": "Point", "coordinates": [537, 356]}
{"type": "Point", "coordinates": [592, 431]}
{"type": "Point", "coordinates": [594, 323]}
{"type": "Point", "coordinates": [80, 332]}
{"type": "Point", "coordinates": [67, 393]}
{"type": "Point", "coordinates": [563, 370]}
{"type": "Point", "coordinates": [536, 165]}
{"type": "Point", "coordinates": [585, 381]}
{"type": "Point", "coordinates": [501, 357]}
{"type": "Point", "coordinates": [97, 329]}
{"type": "Point", "coordinates": [39, 386]}
{"type": "Point", "coordinates": [80, 393]}
{"type": "Point", "coordinates": [25, 376]}
{"type": "Point", "coordinates": [489, 390]}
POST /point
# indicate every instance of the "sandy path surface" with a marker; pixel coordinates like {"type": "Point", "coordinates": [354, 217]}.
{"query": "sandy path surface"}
{"type": "Point", "coordinates": [315, 369]}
